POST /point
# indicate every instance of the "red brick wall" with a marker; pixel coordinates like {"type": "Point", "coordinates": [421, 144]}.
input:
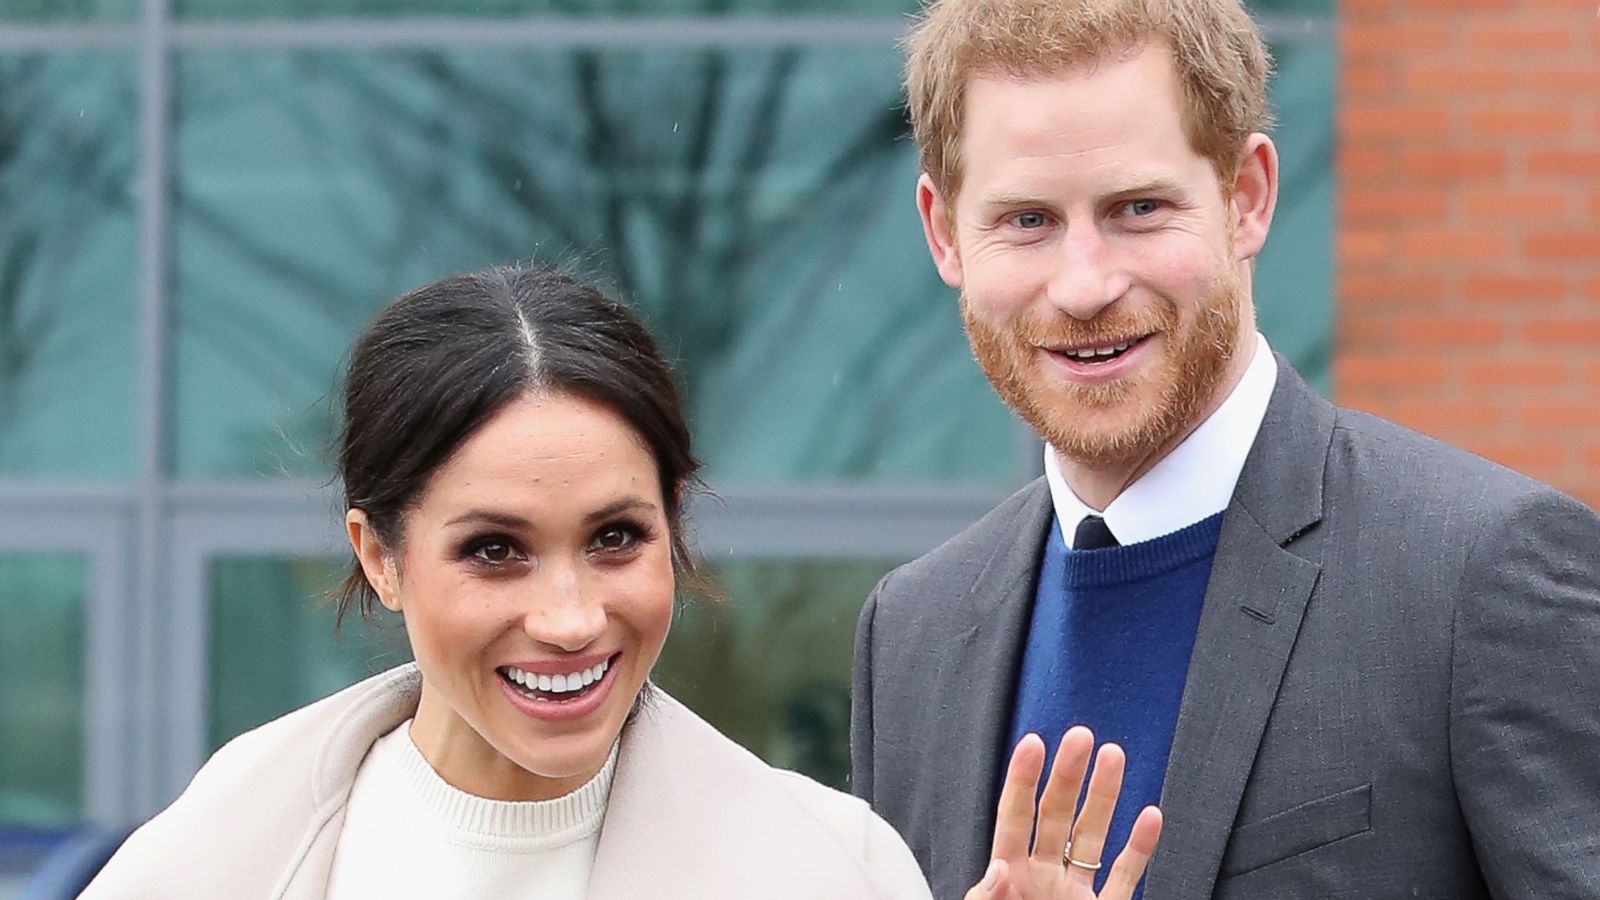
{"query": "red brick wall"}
{"type": "Point", "coordinates": [1468, 257]}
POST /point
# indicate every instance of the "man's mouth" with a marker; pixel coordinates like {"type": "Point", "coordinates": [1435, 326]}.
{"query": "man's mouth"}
{"type": "Point", "coordinates": [555, 688]}
{"type": "Point", "coordinates": [1100, 352]}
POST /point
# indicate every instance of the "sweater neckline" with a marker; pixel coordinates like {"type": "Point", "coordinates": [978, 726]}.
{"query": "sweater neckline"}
{"type": "Point", "coordinates": [1143, 560]}
{"type": "Point", "coordinates": [423, 796]}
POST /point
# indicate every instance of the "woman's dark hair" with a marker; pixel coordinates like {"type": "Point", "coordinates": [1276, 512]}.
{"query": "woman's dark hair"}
{"type": "Point", "coordinates": [436, 363]}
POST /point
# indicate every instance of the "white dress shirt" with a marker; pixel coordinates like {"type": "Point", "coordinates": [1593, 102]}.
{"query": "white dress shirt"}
{"type": "Point", "coordinates": [1193, 482]}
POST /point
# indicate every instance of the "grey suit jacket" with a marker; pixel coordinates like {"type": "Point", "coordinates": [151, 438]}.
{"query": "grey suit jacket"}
{"type": "Point", "coordinates": [1394, 691]}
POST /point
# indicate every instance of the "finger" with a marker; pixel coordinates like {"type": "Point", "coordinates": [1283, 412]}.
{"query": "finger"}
{"type": "Point", "coordinates": [1133, 859]}
{"type": "Point", "coordinates": [1089, 832]}
{"type": "Point", "coordinates": [1061, 794]}
{"type": "Point", "coordinates": [1014, 817]}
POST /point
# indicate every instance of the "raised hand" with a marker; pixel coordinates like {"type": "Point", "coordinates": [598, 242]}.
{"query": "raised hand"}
{"type": "Point", "coordinates": [1068, 842]}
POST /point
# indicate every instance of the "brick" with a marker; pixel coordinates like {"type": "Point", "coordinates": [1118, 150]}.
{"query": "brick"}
{"type": "Point", "coordinates": [1580, 80]}
{"type": "Point", "coordinates": [1591, 460]}
{"type": "Point", "coordinates": [1380, 370]}
{"type": "Point", "coordinates": [1358, 203]}
{"type": "Point", "coordinates": [1591, 287]}
{"type": "Point", "coordinates": [1561, 414]}
{"type": "Point", "coordinates": [1436, 329]}
{"type": "Point", "coordinates": [1502, 202]}
{"type": "Point", "coordinates": [1527, 120]}
{"type": "Point", "coordinates": [1540, 459]}
{"type": "Point", "coordinates": [1579, 245]}
{"type": "Point", "coordinates": [1445, 244]}
{"type": "Point", "coordinates": [1366, 76]}
{"type": "Point", "coordinates": [1453, 80]}
{"type": "Point", "coordinates": [1359, 245]}
{"type": "Point", "coordinates": [1516, 288]}
{"type": "Point", "coordinates": [1359, 121]}
{"type": "Point", "coordinates": [1515, 372]}
{"type": "Point", "coordinates": [1385, 40]}
{"type": "Point", "coordinates": [1452, 164]}
{"type": "Point", "coordinates": [1386, 287]}
{"type": "Point", "coordinates": [1501, 37]}
{"type": "Point", "coordinates": [1581, 330]}
{"type": "Point", "coordinates": [1444, 418]}
{"type": "Point", "coordinates": [1364, 163]}
{"type": "Point", "coordinates": [1565, 162]}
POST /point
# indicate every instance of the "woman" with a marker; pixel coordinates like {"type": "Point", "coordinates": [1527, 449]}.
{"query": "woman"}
{"type": "Point", "coordinates": [515, 463]}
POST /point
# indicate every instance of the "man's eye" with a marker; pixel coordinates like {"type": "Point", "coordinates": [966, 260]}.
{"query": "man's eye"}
{"type": "Point", "coordinates": [494, 552]}
{"type": "Point", "coordinates": [1143, 207]}
{"type": "Point", "coordinates": [1028, 220]}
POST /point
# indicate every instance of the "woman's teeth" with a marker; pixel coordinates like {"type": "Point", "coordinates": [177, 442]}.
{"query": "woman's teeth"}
{"type": "Point", "coordinates": [557, 684]}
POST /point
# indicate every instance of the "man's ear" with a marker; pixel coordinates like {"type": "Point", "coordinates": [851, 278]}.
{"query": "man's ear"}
{"type": "Point", "coordinates": [1255, 195]}
{"type": "Point", "coordinates": [938, 226]}
{"type": "Point", "coordinates": [376, 563]}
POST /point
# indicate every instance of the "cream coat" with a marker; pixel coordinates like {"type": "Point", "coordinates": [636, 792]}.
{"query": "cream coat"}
{"type": "Point", "coordinates": [691, 814]}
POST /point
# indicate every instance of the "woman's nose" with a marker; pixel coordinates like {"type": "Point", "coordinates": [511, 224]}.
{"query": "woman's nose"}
{"type": "Point", "coordinates": [564, 615]}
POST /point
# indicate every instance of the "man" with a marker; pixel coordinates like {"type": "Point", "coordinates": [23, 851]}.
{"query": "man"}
{"type": "Point", "coordinates": [1347, 661]}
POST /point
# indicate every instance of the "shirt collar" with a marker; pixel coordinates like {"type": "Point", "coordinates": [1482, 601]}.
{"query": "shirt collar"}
{"type": "Point", "coordinates": [1193, 482]}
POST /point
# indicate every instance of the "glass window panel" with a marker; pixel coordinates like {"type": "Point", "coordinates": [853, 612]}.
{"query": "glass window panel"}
{"type": "Point", "coordinates": [272, 644]}
{"type": "Point", "coordinates": [769, 665]}
{"type": "Point", "coordinates": [377, 9]}
{"type": "Point", "coordinates": [756, 205]}
{"type": "Point", "coordinates": [1294, 274]}
{"type": "Point", "coordinates": [68, 10]}
{"type": "Point", "coordinates": [42, 598]}
{"type": "Point", "coordinates": [68, 264]}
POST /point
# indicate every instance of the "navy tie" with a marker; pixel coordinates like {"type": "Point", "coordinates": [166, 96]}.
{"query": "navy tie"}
{"type": "Point", "coordinates": [1092, 534]}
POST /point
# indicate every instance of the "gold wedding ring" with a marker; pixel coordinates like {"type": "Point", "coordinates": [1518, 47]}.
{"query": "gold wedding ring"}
{"type": "Point", "coordinates": [1066, 857]}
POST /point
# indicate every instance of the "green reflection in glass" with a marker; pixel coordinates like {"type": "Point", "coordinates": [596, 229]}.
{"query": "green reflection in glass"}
{"type": "Point", "coordinates": [41, 689]}
{"type": "Point", "coordinates": [770, 664]}
{"type": "Point", "coordinates": [272, 644]}
{"type": "Point", "coordinates": [378, 9]}
{"type": "Point", "coordinates": [69, 10]}
{"type": "Point", "coordinates": [754, 204]}
{"type": "Point", "coordinates": [68, 264]}
{"type": "Point", "coordinates": [1294, 274]}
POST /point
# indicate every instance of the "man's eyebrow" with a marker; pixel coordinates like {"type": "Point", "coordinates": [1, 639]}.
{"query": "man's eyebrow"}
{"type": "Point", "coordinates": [1156, 185]}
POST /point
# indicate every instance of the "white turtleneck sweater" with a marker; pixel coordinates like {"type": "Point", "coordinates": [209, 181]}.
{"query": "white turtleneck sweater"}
{"type": "Point", "coordinates": [409, 833]}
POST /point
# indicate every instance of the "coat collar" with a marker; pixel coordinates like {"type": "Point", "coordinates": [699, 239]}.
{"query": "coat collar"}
{"type": "Point", "coordinates": [1267, 564]}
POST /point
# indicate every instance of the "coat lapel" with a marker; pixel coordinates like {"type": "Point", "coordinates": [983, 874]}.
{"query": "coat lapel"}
{"type": "Point", "coordinates": [1264, 572]}
{"type": "Point", "coordinates": [978, 686]}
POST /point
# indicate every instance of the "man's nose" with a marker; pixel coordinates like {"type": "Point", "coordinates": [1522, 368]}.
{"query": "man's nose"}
{"type": "Point", "coordinates": [1085, 280]}
{"type": "Point", "coordinates": [562, 613]}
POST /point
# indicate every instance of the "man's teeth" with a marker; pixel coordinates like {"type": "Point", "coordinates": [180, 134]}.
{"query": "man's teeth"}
{"type": "Point", "coordinates": [559, 684]}
{"type": "Point", "coordinates": [1097, 352]}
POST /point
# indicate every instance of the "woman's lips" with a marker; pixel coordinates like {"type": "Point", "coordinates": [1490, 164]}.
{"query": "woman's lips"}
{"type": "Point", "coordinates": [555, 706]}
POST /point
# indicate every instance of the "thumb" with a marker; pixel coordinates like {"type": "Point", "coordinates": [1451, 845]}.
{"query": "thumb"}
{"type": "Point", "coordinates": [995, 885]}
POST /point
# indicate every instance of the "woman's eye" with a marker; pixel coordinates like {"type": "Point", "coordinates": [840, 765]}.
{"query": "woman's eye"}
{"type": "Point", "coordinates": [494, 552]}
{"type": "Point", "coordinates": [613, 538]}
{"type": "Point", "coordinates": [1029, 220]}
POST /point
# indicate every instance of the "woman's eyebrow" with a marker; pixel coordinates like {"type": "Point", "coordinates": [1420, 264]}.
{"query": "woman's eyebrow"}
{"type": "Point", "coordinates": [621, 505]}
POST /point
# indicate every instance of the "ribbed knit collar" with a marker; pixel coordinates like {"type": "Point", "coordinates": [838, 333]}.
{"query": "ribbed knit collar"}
{"type": "Point", "coordinates": [1144, 560]}
{"type": "Point", "coordinates": [425, 798]}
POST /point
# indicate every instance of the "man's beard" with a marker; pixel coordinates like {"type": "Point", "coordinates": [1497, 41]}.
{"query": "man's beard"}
{"type": "Point", "coordinates": [1194, 363]}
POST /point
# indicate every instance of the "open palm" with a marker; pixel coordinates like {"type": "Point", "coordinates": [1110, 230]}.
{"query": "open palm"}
{"type": "Point", "coordinates": [1052, 869]}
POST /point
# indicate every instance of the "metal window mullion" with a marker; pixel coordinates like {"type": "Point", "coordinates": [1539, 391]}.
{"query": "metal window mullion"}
{"type": "Point", "coordinates": [148, 695]}
{"type": "Point", "coordinates": [531, 31]}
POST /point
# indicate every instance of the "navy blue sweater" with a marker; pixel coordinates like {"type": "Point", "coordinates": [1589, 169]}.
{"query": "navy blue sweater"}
{"type": "Point", "coordinates": [1109, 646]}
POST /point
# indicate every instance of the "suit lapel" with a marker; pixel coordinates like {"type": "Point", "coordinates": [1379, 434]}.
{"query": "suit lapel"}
{"type": "Point", "coordinates": [978, 687]}
{"type": "Point", "coordinates": [1263, 574]}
